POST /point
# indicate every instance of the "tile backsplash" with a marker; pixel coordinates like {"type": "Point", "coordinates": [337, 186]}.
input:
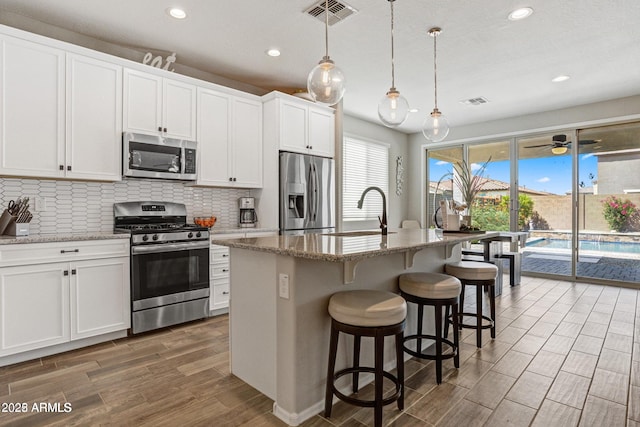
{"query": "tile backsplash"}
{"type": "Point", "coordinates": [73, 206]}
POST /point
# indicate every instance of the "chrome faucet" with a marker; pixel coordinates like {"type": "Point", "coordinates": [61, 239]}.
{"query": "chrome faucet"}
{"type": "Point", "coordinates": [383, 220]}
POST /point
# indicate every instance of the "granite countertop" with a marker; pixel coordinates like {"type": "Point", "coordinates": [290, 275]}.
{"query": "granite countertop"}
{"type": "Point", "coordinates": [353, 247]}
{"type": "Point", "coordinates": [213, 231]}
{"type": "Point", "coordinates": [62, 237]}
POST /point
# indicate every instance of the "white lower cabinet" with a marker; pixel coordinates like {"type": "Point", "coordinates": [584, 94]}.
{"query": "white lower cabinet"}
{"type": "Point", "coordinates": [76, 291]}
{"type": "Point", "coordinates": [220, 271]}
{"type": "Point", "coordinates": [34, 306]}
{"type": "Point", "coordinates": [99, 301]}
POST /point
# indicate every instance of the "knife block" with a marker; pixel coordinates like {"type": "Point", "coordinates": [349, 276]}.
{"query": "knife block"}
{"type": "Point", "coordinates": [17, 229]}
{"type": "Point", "coordinates": [6, 220]}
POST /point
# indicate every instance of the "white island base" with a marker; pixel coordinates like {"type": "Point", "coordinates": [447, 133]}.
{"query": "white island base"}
{"type": "Point", "coordinates": [279, 325]}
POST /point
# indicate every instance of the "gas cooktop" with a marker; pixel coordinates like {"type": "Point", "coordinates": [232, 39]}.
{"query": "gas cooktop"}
{"type": "Point", "coordinates": [156, 222]}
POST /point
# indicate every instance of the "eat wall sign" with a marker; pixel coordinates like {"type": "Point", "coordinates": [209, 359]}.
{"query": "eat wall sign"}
{"type": "Point", "coordinates": [158, 61]}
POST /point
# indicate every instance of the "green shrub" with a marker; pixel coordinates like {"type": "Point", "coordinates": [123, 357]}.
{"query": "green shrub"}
{"type": "Point", "coordinates": [618, 212]}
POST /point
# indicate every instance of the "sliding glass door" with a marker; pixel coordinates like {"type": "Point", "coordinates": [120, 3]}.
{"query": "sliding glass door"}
{"type": "Point", "coordinates": [575, 192]}
{"type": "Point", "coordinates": [440, 166]}
{"type": "Point", "coordinates": [545, 200]}
{"type": "Point", "coordinates": [608, 203]}
{"type": "Point", "coordinates": [490, 164]}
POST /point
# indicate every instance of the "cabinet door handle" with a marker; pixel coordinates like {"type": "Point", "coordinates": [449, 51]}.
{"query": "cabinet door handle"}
{"type": "Point", "coordinates": [71, 251]}
{"type": "Point", "coordinates": [165, 130]}
{"type": "Point", "coordinates": [68, 168]}
{"type": "Point", "coordinates": [311, 147]}
{"type": "Point", "coordinates": [234, 179]}
{"type": "Point", "coordinates": [66, 272]}
{"type": "Point", "coordinates": [225, 270]}
{"type": "Point", "coordinates": [61, 167]}
{"type": "Point", "coordinates": [160, 128]}
{"type": "Point", "coordinates": [225, 255]}
{"type": "Point", "coordinates": [73, 271]}
{"type": "Point", "coordinates": [225, 293]}
{"type": "Point", "coordinates": [230, 179]}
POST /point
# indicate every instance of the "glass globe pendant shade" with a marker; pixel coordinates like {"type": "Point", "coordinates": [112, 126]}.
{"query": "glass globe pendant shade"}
{"type": "Point", "coordinates": [435, 127]}
{"type": "Point", "coordinates": [326, 82]}
{"type": "Point", "coordinates": [393, 109]}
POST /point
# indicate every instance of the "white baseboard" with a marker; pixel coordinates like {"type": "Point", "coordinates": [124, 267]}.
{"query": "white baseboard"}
{"type": "Point", "coordinates": [297, 418]}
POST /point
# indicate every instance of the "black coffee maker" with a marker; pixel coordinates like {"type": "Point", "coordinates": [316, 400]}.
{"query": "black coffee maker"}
{"type": "Point", "coordinates": [248, 215]}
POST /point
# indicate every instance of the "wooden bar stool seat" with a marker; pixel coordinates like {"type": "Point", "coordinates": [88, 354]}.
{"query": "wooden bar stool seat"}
{"type": "Point", "coordinates": [436, 290]}
{"type": "Point", "coordinates": [367, 313]}
{"type": "Point", "coordinates": [480, 275]}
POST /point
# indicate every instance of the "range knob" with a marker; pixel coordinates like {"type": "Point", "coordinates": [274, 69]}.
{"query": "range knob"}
{"type": "Point", "coordinates": [198, 234]}
{"type": "Point", "coordinates": [190, 235]}
{"type": "Point", "coordinates": [155, 237]}
{"type": "Point", "coordinates": [145, 238]}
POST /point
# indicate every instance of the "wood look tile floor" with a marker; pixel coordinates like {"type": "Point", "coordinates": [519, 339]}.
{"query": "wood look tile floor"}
{"type": "Point", "coordinates": [565, 354]}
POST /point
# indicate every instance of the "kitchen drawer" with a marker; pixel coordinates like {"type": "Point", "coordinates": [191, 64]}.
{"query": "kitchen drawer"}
{"type": "Point", "coordinates": [41, 253]}
{"type": "Point", "coordinates": [221, 294]}
{"type": "Point", "coordinates": [219, 270]}
{"type": "Point", "coordinates": [219, 256]}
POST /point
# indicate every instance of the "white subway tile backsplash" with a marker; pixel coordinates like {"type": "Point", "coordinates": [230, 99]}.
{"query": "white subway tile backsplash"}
{"type": "Point", "coordinates": [73, 206]}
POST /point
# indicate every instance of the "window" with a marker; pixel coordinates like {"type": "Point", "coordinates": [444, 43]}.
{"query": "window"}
{"type": "Point", "coordinates": [365, 164]}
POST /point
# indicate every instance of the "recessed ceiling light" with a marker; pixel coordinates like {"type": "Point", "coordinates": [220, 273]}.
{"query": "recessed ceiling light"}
{"type": "Point", "coordinates": [177, 13]}
{"type": "Point", "coordinates": [413, 110]}
{"type": "Point", "coordinates": [273, 52]}
{"type": "Point", "coordinates": [560, 78]}
{"type": "Point", "coordinates": [518, 14]}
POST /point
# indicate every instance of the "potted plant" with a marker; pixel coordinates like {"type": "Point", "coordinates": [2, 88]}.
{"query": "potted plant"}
{"type": "Point", "coordinates": [469, 184]}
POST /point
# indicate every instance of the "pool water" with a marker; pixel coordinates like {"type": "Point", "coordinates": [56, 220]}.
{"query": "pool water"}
{"type": "Point", "coordinates": [587, 245]}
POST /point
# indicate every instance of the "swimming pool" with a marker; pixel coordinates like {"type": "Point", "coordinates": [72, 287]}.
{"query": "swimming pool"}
{"type": "Point", "coordinates": [587, 245]}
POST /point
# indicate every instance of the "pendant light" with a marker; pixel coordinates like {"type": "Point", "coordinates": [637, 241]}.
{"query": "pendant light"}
{"type": "Point", "coordinates": [325, 82]}
{"type": "Point", "coordinates": [393, 109]}
{"type": "Point", "coordinates": [435, 127]}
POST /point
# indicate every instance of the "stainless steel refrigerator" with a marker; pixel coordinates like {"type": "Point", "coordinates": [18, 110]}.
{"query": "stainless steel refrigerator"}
{"type": "Point", "coordinates": [307, 194]}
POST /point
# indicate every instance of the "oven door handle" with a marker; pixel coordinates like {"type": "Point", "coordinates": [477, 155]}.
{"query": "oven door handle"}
{"type": "Point", "coordinates": [169, 247]}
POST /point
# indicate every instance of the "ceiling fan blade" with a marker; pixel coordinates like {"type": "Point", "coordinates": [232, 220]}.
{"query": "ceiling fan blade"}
{"type": "Point", "coordinates": [542, 145]}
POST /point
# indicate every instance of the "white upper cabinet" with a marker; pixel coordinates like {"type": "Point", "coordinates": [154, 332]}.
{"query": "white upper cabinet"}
{"type": "Point", "coordinates": [94, 119]}
{"type": "Point", "coordinates": [179, 110]}
{"type": "Point", "coordinates": [153, 104]}
{"type": "Point", "coordinates": [302, 126]}
{"type": "Point", "coordinates": [59, 121]}
{"type": "Point", "coordinates": [322, 132]}
{"type": "Point", "coordinates": [32, 128]}
{"type": "Point", "coordinates": [293, 126]}
{"type": "Point", "coordinates": [247, 143]}
{"type": "Point", "coordinates": [230, 140]}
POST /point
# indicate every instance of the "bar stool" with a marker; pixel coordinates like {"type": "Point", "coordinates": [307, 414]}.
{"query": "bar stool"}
{"type": "Point", "coordinates": [437, 290]}
{"type": "Point", "coordinates": [367, 313]}
{"type": "Point", "coordinates": [480, 275]}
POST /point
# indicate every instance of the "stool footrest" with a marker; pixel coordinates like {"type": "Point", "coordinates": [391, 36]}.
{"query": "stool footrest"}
{"type": "Point", "coordinates": [451, 347]}
{"type": "Point", "coordinates": [361, 402]}
{"type": "Point", "coordinates": [461, 324]}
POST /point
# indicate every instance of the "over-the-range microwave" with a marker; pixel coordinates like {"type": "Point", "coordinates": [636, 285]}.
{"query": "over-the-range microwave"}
{"type": "Point", "coordinates": [153, 156]}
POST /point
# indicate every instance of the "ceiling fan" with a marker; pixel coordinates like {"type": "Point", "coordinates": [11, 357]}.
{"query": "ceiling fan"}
{"type": "Point", "coordinates": [560, 145]}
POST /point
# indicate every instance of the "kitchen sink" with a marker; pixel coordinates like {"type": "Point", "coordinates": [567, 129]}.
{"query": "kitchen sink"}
{"type": "Point", "coordinates": [356, 233]}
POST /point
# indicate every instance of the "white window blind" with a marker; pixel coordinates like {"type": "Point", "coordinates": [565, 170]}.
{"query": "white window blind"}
{"type": "Point", "coordinates": [365, 164]}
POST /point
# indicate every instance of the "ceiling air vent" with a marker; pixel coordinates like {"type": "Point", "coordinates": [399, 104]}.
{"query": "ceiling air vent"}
{"type": "Point", "coordinates": [338, 11]}
{"type": "Point", "coordinates": [475, 101]}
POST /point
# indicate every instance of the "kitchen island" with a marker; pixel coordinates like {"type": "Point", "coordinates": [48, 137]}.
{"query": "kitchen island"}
{"type": "Point", "coordinates": [280, 289]}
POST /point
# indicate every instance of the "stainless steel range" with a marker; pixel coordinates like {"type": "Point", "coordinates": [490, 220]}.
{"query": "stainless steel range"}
{"type": "Point", "coordinates": [169, 264]}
